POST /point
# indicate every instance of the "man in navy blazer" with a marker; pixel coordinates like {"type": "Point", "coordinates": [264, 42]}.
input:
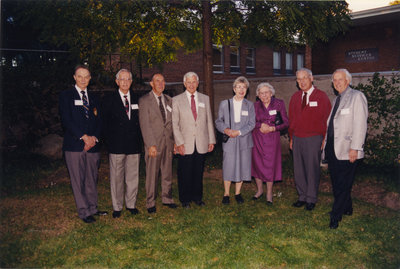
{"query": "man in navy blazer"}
{"type": "Point", "coordinates": [79, 111]}
{"type": "Point", "coordinates": [122, 133]}
{"type": "Point", "coordinates": [344, 146]}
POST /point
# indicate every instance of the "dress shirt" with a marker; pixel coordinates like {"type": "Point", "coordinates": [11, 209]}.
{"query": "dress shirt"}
{"type": "Point", "coordinates": [80, 94]}
{"type": "Point", "coordinates": [309, 92]}
{"type": "Point", "coordinates": [237, 109]}
{"type": "Point", "coordinates": [162, 100]}
{"type": "Point", "coordinates": [128, 96]}
{"type": "Point", "coordinates": [189, 96]}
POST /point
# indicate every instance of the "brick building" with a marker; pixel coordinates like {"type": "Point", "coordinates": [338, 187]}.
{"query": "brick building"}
{"type": "Point", "coordinates": [371, 45]}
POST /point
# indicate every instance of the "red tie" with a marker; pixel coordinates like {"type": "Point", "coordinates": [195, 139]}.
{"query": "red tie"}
{"type": "Point", "coordinates": [126, 105]}
{"type": "Point", "coordinates": [193, 106]}
{"type": "Point", "coordinates": [304, 101]}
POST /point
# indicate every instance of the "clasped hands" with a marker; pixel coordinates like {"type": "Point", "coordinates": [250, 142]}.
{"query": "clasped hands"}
{"type": "Point", "coordinates": [265, 128]}
{"type": "Point", "coordinates": [232, 133]}
{"type": "Point", "coordinates": [90, 142]}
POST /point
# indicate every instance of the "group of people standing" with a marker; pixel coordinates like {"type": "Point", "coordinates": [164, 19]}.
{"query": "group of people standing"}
{"type": "Point", "coordinates": [183, 125]}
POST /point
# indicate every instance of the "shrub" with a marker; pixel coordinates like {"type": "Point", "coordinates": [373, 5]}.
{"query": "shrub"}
{"type": "Point", "coordinates": [383, 139]}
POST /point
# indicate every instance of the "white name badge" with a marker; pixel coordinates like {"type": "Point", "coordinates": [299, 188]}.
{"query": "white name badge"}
{"type": "Point", "coordinates": [134, 106]}
{"type": "Point", "coordinates": [245, 113]}
{"type": "Point", "coordinates": [313, 103]}
{"type": "Point", "coordinates": [272, 112]}
{"type": "Point", "coordinates": [78, 102]}
{"type": "Point", "coordinates": [202, 105]}
{"type": "Point", "coordinates": [169, 108]}
{"type": "Point", "coordinates": [345, 111]}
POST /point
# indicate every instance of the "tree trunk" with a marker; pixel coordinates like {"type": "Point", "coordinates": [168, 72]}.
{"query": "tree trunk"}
{"type": "Point", "coordinates": [207, 52]}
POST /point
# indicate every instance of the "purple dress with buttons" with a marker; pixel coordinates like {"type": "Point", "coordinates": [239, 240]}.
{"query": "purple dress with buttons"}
{"type": "Point", "coordinates": [266, 155]}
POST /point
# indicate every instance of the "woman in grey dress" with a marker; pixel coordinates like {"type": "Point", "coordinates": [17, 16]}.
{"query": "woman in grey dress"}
{"type": "Point", "coordinates": [236, 118]}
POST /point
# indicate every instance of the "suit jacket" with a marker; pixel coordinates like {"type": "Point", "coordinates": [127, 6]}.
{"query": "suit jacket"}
{"type": "Point", "coordinates": [245, 126]}
{"type": "Point", "coordinates": [350, 124]}
{"type": "Point", "coordinates": [152, 124]}
{"type": "Point", "coordinates": [186, 130]}
{"type": "Point", "coordinates": [74, 121]}
{"type": "Point", "coordinates": [121, 133]}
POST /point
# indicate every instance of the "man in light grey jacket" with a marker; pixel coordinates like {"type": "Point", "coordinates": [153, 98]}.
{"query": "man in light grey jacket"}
{"type": "Point", "coordinates": [344, 142]}
{"type": "Point", "coordinates": [194, 134]}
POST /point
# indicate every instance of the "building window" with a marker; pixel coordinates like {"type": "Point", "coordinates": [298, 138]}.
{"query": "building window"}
{"type": "Point", "coordinates": [300, 61]}
{"type": "Point", "coordinates": [277, 63]}
{"type": "Point", "coordinates": [289, 63]}
{"type": "Point", "coordinates": [235, 59]}
{"type": "Point", "coordinates": [218, 59]}
{"type": "Point", "coordinates": [250, 61]}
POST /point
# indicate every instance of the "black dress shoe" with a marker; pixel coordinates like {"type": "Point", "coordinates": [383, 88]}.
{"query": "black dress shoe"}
{"type": "Point", "coordinates": [334, 224]}
{"type": "Point", "coordinates": [225, 200]}
{"type": "Point", "coordinates": [133, 211]}
{"type": "Point", "coordinates": [89, 219]}
{"type": "Point", "coordinates": [299, 203]}
{"type": "Point", "coordinates": [239, 198]}
{"type": "Point", "coordinates": [199, 203]}
{"type": "Point", "coordinates": [269, 203]}
{"type": "Point", "coordinates": [101, 213]}
{"type": "Point", "coordinates": [172, 205]}
{"type": "Point", "coordinates": [186, 205]}
{"type": "Point", "coordinates": [310, 206]}
{"type": "Point", "coordinates": [152, 210]}
{"type": "Point", "coordinates": [255, 198]}
{"type": "Point", "coordinates": [116, 214]}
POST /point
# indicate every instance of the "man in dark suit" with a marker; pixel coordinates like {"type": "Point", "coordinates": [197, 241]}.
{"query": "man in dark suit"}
{"type": "Point", "coordinates": [155, 118]}
{"type": "Point", "coordinates": [344, 148]}
{"type": "Point", "coordinates": [79, 110]}
{"type": "Point", "coordinates": [194, 135]}
{"type": "Point", "coordinates": [122, 133]}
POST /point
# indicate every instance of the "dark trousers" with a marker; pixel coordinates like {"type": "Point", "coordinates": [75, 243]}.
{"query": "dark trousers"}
{"type": "Point", "coordinates": [342, 176]}
{"type": "Point", "coordinates": [190, 177]}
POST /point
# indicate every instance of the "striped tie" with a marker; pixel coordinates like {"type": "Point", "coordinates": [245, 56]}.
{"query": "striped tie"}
{"type": "Point", "coordinates": [85, 104]}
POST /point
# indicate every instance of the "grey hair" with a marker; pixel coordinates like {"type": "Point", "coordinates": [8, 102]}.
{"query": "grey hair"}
{"type": "Point", "coordinates": [123, 70]}
{"type": "Point", "coordinates": [190, 74]}
{"type": "Point", "coordinates": [241, 79]}
{"type": "Point", "coordinates": [266, 85]}
{"type": "Point", "coordinates": [345, 71]}
{"type": "Point", "coordinates": [304, 70]}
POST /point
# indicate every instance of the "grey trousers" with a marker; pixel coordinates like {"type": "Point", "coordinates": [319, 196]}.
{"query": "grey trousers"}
{"type": "Point", "coordinates": [83, 170]}
{"type": "Point", "coordinates": [124, 174]}
{"type": "Point", "coordinates": [306, 160]}
{"type": "Point", "coordinates": [160, 165]}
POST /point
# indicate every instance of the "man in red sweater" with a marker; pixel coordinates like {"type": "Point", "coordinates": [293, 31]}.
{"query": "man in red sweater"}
{"type": "Point", "coordinates": [308, 112]}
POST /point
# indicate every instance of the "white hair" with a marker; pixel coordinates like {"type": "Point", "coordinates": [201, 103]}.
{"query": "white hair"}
{"type": "Point", "coordinates": [304, 70]}
{"type": "Point", "coordinates": [344, 70]}
{"type": "Point", "coordinates": [265, 85]}
{"type": "Point", "coordinates": [190, 74]}
{"type": "Point", "coordinates": [241, 79]}
{"type": "Point", "coordinates": [123, 70]}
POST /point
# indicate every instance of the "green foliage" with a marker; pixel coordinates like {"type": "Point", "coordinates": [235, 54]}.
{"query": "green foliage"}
{"type": "Point", "coordinates": [383, 139]}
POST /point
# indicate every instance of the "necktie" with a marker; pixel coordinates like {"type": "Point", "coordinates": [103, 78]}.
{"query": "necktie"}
{"type": "Point", "coordinates": [193, 107]}
{"type": "Point", "coordinates": [304, 101]}
{"type": "Point", "coordinates": [85, 104]}
{"type": "Point", "coordinates": [160, 105]}
{"type": "Point", "coordinates": [335, 107]}
{"type": "Point", "coordinates": [126, 105]}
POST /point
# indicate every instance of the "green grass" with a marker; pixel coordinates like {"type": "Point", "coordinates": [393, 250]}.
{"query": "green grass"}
{"type": "Point", "coordinates": [41, 229]}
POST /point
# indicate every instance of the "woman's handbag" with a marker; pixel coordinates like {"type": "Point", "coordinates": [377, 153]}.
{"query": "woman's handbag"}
{"type": "Point", "coordinates": [278, 118]}
{"type": "Point", "coordinates": [225, 137]}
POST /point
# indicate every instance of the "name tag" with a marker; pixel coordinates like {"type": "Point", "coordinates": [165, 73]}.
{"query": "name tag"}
{"type": "Point", "coordinates": [134, 106]}
{"type": "Point", "coordinates": [313, 103]}
{"type": "Point", "coordinates": [245, 113]}
{"type": "Point", "coordinates": [345, 111]}
{"type": "Point", "coordinates": [78, 102]}
{"type": "Point", "coordinates": [272, 112]}
{"type": "Point", "coordinates": [169, 108]}
{"type": "Point", "coordinates": [202, 105]}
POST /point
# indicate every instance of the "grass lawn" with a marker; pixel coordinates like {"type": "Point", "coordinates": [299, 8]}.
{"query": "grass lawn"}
{"type": "Point", "coordinates": [40, 228]}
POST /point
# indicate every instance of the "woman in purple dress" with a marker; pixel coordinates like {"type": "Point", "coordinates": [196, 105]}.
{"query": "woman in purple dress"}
{"type": "Point", "coordinates": [271, 118]}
